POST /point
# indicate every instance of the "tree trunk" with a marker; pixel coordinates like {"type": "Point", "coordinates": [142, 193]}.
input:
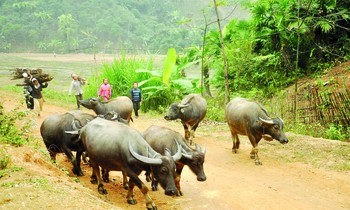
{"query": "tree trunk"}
{"type": "Point", "coordinates": [227, 89]}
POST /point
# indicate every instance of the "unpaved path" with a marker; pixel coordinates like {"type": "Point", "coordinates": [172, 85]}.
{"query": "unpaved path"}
{"type": "Point", "coordinates": [233, 181]}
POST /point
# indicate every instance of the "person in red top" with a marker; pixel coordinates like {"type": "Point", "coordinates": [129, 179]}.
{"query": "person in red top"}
{"type": "Point", "coordinates": [105, 90]}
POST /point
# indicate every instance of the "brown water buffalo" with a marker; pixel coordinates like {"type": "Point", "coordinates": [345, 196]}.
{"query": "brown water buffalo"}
{"type": "Point", "coordinates": [121, 105]}
{"type": "Point", "coordinates": [115, 146]}
{"type": "Point", "coordinates": [161, 138]}
{"type": "Point", "coordinates": [251, 119]}
{"type": "Point", "coordinates": [190, 111]}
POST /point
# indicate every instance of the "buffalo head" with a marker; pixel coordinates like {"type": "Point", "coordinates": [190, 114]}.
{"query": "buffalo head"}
{"type": "Point", "coordinates": [274, 128]}
{"type": "Point", "coordinates": [195, 161]}
{"type": "Point", "coordinates": [113, 116]}
{"type": "Point", "coordinates": [175, 111]}
{"type": "Point", "coordinates": [163, 168]}
{"type": "Point", "coordinates": [89, 103]}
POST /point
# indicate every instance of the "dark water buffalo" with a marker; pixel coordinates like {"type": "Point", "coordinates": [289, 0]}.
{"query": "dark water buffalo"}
{"type": "Point", "coordinates": [191, 111]}
{"type": "Point", "coordinates": [58, 141]}
{"type": "Point", "coordinates": [251, 119]}
{"type": "Point", "coordinates": [115, 146]}
{"type": "Point", "coordinates": [121, 105]}
{"type": "Point", "coordinates": [161, 138]}
{"type": "Point", "coordinates": [60, 133]}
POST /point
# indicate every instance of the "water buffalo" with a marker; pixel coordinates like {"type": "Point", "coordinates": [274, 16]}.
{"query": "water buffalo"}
{"type": "Point", "coordinates": [161, 138]}
{"type": "Point", "coordinates": [191, 111]}
{"type": "Point", "coordinates": [121, 105]}
{"type": "Point", "coordinates": [57, 140]}
{"type": "Point", "coordinates": [251, 119]}
{"type": "Point", "coordinates": [115, 146]}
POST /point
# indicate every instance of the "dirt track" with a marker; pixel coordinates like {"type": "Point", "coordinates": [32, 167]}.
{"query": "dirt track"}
{"type": "Point", "coordinates": [233, 181]}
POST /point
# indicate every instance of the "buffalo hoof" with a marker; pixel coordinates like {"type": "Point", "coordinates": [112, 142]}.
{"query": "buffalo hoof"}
{"type": "Point", "coordinates": [93, 181]}
{"type": "Point", "coordinates": [132, 201]}
{"type": "Point", "coordinates": [152, 208]}
{"type": "Point", "coordinates": [78, 172]}
{"type": "Point", "coordinates": [179, 193]}
{"type": "Point", "coordinates": [154, 188]}
{"type": "Point", "coordinates": [258, 162]}
{"type": "Point", "coordinates": [102, 190]}
{"type": "Point", "coordinates": [105, 179]}
{"type": "Point", "coordinates": [126, 187]}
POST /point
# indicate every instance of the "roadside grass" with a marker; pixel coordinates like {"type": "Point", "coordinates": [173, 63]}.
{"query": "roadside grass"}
{"type": "Point", "coordinates": [320, 153]}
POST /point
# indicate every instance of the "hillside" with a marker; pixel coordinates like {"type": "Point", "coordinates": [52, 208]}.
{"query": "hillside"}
{"type": "Point", "coordinates": [105, 26]}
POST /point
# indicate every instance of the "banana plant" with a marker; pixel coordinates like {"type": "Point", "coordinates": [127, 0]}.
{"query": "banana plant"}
{"type": "Point", "coordinates": [163, 87]}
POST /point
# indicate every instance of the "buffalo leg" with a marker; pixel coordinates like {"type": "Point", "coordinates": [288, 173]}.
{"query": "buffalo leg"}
{"type": "Point", "coordinates": [187, 133]}
{"type": "Point", "coordinates": [125, 180]}
{"type": "Point", "coordinates": [135, 180]}
{"type": "Point", "coordinates": [85, 158]}
{"type": "Point", "coordinates": [254, 152]}
{"type": "Point", "coordinates": [194, 128]}
{"type": "Point", "coordinates": [52, 149]}
{"type": "Point", "coordinates": [177, 179]}
{"type": "Point", "coordinates": [105, 175]}
{"type": "Point", "coordinates": [96, 173]}
{"type": "Point", "coordinates": [235, 141]}
{"type": "Point", "coordinates": [78, 161]}
{"type": "Point", "coordinates": [73, 160]}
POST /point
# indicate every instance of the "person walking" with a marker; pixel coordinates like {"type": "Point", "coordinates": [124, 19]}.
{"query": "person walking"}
{"type": "Point", "coordinates": [136, 98]}
{"type": "Point", "coordinates": [76, 87]}
{"type": "Point", "coordinates": [27, 91]}
{"type": "Point", "coordinates": [37, 95]}
{"type": "Point", "coordinates": [105, 90]}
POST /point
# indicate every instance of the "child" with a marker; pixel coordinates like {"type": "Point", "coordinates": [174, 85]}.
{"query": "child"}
{"type": "Point", "coordinates": [136, 98]}
{"type": "Point", "coordinates": [105, 90]}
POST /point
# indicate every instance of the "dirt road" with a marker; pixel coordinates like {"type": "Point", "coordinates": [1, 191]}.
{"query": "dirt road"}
{"type": "Point", "coordinates": [233, 180]}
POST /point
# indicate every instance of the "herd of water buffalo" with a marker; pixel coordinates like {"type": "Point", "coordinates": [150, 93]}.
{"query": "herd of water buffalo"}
{"type": "Point", "coordinates": [112, 145]}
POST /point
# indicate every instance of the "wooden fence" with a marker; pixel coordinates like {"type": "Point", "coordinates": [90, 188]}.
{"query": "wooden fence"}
{"type": "Point", "coordinates": [323, 107]}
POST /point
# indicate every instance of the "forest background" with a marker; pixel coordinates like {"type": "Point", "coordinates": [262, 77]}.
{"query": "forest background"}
{"type": "Point", "coordinates": [269, 44]}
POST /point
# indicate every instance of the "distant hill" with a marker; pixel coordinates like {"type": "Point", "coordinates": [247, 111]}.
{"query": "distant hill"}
{"type": "Point", "coordinates": [105, 26]}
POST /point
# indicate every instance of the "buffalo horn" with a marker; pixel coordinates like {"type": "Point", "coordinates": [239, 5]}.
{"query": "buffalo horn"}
{"type": "Point", "coordinates": [74, 125]}
{"type": "Point", "coordinates": [178, 154]}
{"type": "Point", "coordinates": [199, 149]}
{"type": "Point", "coordinates": [182, 105]}
{"type": "Point", "coordinates": [147, 160]}
{"type": "Point", "coordinates": [270, 122]}
{"type": "Point", "coordinates": [186, 155]}
{"type": "Point", "coordinates": [72, 132]}
{"type": "Point", "coordinates": [204, 149]}
{"type": "Point", "coordinates": [280, 119]}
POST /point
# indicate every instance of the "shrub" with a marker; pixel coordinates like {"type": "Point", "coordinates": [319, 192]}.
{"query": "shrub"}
{"type": "Point", "coordinates": [335, 132]}
{"type": "Point", "coordinates": [8, 131]}
{"type": "Point", "coordinates": [4, 159]}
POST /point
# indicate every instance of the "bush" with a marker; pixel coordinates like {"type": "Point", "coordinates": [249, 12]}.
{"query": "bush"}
{"type": "Point", "coordinates": [216, 109]}
{"type": "Point", "coordinates": [8, 131]}
{"type": "Point", "coordinates": [335, 132]}
{"type": "Point", "coordinates": [4, 159]}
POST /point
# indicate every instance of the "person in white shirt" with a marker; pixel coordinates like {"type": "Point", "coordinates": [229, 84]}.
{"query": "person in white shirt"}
{"type": "Point", "coordinates": [76, 87]}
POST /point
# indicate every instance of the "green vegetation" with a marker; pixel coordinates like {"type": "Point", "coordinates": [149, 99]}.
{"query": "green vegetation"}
{"type": "Point", "coordinates": [98, 26]}
{"type": "Point", "coordinates": [9, 133]}
{"type": "Point", "coordinates": [4, 159]}
{"type": "Point", "coordinates": [261, 49]}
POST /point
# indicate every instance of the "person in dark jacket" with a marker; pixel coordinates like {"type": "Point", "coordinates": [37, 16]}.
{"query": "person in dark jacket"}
{"type": "Point", "coordinates": [37, 94]}
{"type": "Point", "coordinates": [136, 98]}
